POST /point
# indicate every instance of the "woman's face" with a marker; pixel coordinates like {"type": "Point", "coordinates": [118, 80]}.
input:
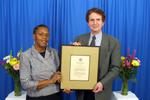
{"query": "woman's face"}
{"type": "Point", "coordinates": [41, 37]}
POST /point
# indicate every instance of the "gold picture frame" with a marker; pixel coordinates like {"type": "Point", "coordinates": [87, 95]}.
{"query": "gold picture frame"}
{"type": "Point", "coordinates": [79, 66]}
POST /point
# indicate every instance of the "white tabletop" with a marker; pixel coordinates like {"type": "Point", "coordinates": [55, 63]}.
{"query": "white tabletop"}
{"type": "Point", "coordinates": [119, 96]}
{"type": "Point", "coordinates": [12, 97]}
{"type": "Point", "coordinates": [116, 96]}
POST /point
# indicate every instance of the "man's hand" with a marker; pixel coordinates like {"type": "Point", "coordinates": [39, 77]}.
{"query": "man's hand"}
{"type": "Point", "coordinates": [77, 43]}
{"type": "Point", "coordinates": [98, 87]}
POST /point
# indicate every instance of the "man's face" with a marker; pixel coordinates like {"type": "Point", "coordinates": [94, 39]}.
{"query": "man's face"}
{"type": "Point", "coordinates": [41, 37]}
{"type": "Point", "coordinates": [95, 22]}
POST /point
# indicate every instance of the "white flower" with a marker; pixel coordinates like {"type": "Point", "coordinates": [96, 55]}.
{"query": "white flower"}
{"type": "Point", "coordinates": [6, 58]}
{"type": "Point", "coordinates": [18, 54]}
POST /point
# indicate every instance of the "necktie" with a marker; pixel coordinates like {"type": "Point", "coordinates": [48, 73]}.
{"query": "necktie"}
{"type": "Point", "coordinates": [93, 41]}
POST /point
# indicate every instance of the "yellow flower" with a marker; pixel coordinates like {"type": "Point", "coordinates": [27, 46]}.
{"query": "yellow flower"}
{"type": "Point", "coordinates": [14, 61]}
{"type": "Point", "coordinates": [122, 58]}
{"type": "Point", "coordinates": [135, 63]}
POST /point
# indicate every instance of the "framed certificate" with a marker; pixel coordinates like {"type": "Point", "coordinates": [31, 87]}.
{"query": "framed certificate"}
{"type": "Point", "coordinates": [79, 67]}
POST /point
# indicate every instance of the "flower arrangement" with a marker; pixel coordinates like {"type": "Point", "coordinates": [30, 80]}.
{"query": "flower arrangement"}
{"type": "Point", "coordinates": [11, 64]}
{"type": "Point", "coordinates": [129, 65]}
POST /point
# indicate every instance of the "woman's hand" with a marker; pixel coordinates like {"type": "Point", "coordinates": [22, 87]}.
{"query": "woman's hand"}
{"type": "Point", "coordinates": [67, 90]}
{"type": "Point", "coordinates": [56, 77]}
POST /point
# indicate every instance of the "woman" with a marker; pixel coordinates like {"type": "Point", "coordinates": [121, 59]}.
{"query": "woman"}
{"type": "Point", "coordinates": [38, 68]}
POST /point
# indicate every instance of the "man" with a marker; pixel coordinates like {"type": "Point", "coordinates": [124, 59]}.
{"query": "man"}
{"type": "Point", "coordinates": [109, 56]}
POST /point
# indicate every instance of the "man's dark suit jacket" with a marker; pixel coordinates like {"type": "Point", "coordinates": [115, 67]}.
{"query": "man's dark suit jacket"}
{"type": "Point", "coordinates": [109, 64]}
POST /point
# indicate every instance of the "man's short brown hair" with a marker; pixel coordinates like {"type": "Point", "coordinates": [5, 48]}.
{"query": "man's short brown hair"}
{"type": "Point", "coordinates": [95, 10]}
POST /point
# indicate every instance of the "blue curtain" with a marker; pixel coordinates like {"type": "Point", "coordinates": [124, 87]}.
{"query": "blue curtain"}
{"type": "Point", "coordinates": [127, 20]}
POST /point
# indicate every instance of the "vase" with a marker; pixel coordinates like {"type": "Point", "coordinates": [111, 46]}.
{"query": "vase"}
{"type": "Point", "coordinates": [17, 86]}
{"type": "Point", "coordinates": [124, 90]}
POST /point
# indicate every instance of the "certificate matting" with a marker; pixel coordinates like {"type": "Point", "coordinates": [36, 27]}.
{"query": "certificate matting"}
{"type": "Point", "coordinates": [79, 67]}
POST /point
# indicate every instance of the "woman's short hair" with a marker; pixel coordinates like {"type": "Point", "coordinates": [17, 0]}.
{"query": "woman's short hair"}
{"type": "Point", "coordinates": [38, 26]}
